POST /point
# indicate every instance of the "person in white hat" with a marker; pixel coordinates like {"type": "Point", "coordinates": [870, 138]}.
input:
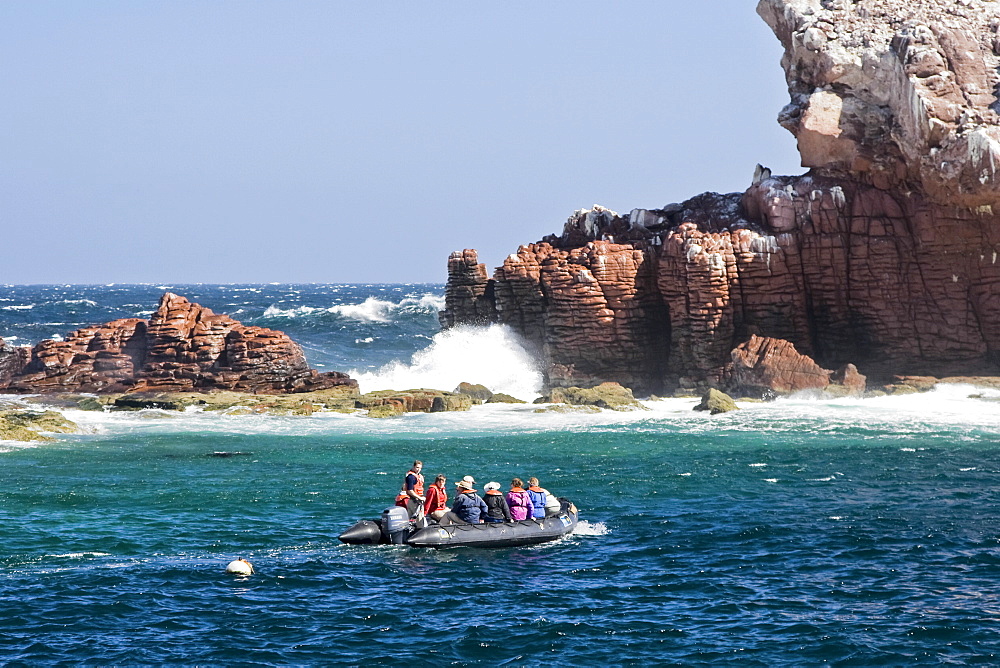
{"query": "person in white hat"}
{"type": "Point", "coordinates": [498, 511]}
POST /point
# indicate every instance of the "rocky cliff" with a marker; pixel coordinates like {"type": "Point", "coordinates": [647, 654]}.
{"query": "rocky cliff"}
{"type": "Point", "coordinates": [183, 346]}
{"type": "Point", "coordinates": [884, 254]}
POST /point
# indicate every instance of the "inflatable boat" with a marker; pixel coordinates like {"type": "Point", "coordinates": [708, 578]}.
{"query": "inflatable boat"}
{"type": "Point", "coordinates": [394, 527]}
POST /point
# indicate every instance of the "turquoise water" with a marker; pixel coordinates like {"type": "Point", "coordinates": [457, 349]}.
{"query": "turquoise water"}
{"type": "Point", "coordinates": [799, 532]}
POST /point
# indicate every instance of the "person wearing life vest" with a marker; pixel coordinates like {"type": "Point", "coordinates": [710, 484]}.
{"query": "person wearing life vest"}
{"type": "Point", "coordinates": [436, 499]}
{"type": "Point", "coordinates": [411, 496]}
{"type": "Point", "coordinates": [545, 503]}
{"type": "Point", "coordinates": [468, 507]}
{"type": "Point", "coordinates": [496, 503]}
{"type": "Point", "coordinates": [518, 501]}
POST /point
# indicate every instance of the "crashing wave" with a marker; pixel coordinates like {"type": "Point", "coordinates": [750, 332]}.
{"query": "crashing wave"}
{"type": "Point", "coordinates": [493, 356]}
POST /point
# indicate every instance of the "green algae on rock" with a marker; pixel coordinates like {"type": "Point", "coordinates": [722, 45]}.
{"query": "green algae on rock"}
{"type": "Point", "coordinates": [502, 398]}
{"type": "Point", "coordinates": [606, 395]}
{"type": "Point", "coordinates": [29, 425]}
{"type": "Point", "coordinates": [480, 393]}
{"type": "Point", "coordinates": [716, 402]}
{"type": "Point", "coordinates": [416, 401]}
{"type": "Point", "coordinates": [335, 399]}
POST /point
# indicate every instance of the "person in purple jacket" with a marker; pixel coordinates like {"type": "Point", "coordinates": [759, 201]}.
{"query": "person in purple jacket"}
{"type": "Point", "coordinates": [520, 504]}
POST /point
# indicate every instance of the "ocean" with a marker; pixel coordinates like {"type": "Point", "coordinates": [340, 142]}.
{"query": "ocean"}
{"type": "Point", "coordinates": [848, 532]}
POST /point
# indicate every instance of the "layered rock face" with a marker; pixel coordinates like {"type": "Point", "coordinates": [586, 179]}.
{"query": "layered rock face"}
{"type": "Point", "coordinates": [900, 94]}
{"type": "Point", "coordinates": [883, 255]}
{"type": "Point", "coordinates": [12, 360]}
{"type": "Point", "coordinates": [183, 346]}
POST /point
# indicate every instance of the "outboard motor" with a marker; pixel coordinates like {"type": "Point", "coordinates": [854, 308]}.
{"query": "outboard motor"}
{"type": "Point", "coordinates": [395, 524]}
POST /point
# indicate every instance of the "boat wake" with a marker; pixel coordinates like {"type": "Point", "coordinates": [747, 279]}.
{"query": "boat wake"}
{"type": "Point", "coordinates": [585, 528]}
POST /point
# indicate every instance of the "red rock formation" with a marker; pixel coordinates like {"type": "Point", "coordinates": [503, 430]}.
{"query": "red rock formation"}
{"type": "Point", "coordinates": [883, 255]}
{"type": "Point", "coordinates": [594, 311]}
{"type": "Point", "coordinates": [468, 298]}
{"type": "Point", "coordinates": [850, 379]}
{"type": "Point", "coordinates": [12, 360]}
{"type": "Point", "coordinates": [183, 347]}
{"type": "Point", "coordinates": [763, 364]}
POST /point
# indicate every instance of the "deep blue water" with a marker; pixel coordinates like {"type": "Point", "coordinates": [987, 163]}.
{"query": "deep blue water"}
{"type": "Point", "coordinates": [799, 532]}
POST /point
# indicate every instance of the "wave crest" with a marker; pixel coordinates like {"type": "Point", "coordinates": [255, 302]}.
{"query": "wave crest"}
{"type": "Point", "coordinates": [371, 309]}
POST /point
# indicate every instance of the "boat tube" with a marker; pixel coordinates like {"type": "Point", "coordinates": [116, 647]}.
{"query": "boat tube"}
{"type": "Point", "coordinates": [394, 528]}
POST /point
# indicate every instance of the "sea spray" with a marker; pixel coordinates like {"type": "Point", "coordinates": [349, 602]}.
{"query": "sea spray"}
{"type": "Point", "coordinates": [493, 356]}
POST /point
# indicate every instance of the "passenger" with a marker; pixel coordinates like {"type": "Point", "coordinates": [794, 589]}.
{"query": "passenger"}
{"type": "Point", "coordinates": [545, 502]}
{"type": "Point", "coordinates": [538, 496]}
{"type": "Point", "coordinates": [519, 501]}
{"type": "Point", "coordinates": [498, 511]}
{"type": "Point", "coordinates": [468, 508]}
{"type": "Point", "coordinates": [412, 492]}
{"type": "Point", "coordinates": [436, 500]}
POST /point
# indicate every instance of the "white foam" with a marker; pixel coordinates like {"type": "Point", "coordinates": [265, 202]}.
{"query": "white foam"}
{"type": "Point", "coordinates": [481, 355]}
{"type": "Point", "coordinates": [585, 528]}
{"type": "Point", "coordinates": [370, 310]}
{"type": "Point", "coordinates": [493, 356]}
{"type": "Point", "coordinates": [17, 307]}
{"type": "Point", "coordinates": [78, 555]}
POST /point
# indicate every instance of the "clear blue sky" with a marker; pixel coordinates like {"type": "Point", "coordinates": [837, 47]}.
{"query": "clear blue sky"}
{"type": "Point", "coordinates": [360, 141]}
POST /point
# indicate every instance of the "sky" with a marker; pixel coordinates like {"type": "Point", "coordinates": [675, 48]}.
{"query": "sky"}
{"type": "Point", "coordinates": [360, 142]}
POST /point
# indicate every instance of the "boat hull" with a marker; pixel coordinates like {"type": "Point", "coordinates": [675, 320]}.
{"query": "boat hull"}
{"type": "Point", "coordinates": [491, 535]}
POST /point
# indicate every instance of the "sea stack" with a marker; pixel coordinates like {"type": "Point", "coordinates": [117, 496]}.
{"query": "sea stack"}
{"type": "Point", "coordinates": [183, 347]}
{"type": "Point", "coordinates": [882, 255]}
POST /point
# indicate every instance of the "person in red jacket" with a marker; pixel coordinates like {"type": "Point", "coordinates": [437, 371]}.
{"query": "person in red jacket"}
{"type": "Point", "coordinates": [436, 499]}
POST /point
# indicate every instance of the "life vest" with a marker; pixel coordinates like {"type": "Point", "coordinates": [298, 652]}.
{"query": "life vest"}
{"type": "Point", "coordinates": [436, 499]}
{"type": "Point", "coordinates": [538, 498]}
{"type": "Point", "coordinates": [518, 497]}
{"type": "Point", "coordinates": [418, 488]}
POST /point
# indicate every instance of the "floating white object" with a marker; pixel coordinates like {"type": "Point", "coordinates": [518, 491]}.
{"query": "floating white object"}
{"type": "Point", "coordinates": [240, 567]}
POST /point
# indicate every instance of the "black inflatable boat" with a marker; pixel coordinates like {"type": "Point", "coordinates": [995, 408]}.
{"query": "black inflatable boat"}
{"type": "Point", "coordinates": [395, 528]}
